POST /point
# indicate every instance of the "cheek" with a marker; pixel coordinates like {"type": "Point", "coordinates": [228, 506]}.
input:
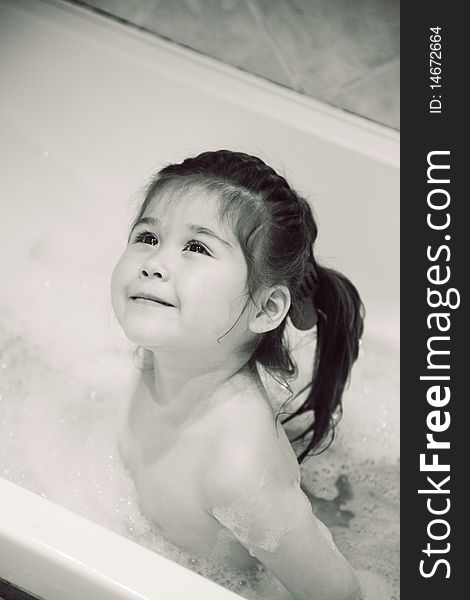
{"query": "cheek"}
{"type": "Point", "coordinates": [235, 285]}
{"type": "Point", "coordinates": [116, 279]}
{"type": "Point", "coordinates": [118, 282]}
{"type": "Point", "coordinates": [221, 293]}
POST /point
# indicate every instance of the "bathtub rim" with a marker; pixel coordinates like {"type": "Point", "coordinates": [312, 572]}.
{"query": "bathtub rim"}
{"type": "Point", "coordinates": [45, 549]}
{"type": "Point", "coordinates": [334, 125]}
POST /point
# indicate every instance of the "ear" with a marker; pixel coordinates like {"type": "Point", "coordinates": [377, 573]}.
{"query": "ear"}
{"type": "Point", "coordinates": [272, 306]}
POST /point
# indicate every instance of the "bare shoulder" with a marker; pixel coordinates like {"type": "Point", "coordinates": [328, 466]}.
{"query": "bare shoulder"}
{"type": "Point", "coordinates": [250, 449]}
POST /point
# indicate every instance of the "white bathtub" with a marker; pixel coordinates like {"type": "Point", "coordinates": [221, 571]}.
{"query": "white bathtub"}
{"type": "Point", "coordinates": [88, 110]}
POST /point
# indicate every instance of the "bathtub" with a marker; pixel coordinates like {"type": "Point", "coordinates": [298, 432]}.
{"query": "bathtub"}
{"type": "Point", "coordinates": [89, 108]}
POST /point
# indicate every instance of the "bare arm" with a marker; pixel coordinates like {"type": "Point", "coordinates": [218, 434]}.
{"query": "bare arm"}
{"type": "Point", "coordinates": [306, 559]}
{"type": "Point", "coordinates": [271, 516]}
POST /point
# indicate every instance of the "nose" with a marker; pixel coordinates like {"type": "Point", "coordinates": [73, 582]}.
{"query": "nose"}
{"type": "Point", "coordinates": [146, 273]}
{"type": "Point", "coordinates": [154, 269]}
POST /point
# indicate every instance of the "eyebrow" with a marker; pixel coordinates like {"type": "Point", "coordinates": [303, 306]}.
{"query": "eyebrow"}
{"type": "Point", "coordinates": [146, 221]}
{"type": "Point", "coordinates": [199, 229]}
{"type": "Point", "coordinates": [196, 229]}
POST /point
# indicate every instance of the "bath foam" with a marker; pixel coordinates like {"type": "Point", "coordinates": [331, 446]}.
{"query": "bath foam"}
{"type": "Point", "coordinates": [253, 515]}
{"type": "Point", "coordinates": [59, 440]}
{"type": "Point", "coordinates": [61, 444]}
{"type": "Point", "coordinates": [238, 517]}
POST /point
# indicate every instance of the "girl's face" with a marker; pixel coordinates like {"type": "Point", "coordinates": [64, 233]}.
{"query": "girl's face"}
{"type": "Point", "coordinates": [181, 282]}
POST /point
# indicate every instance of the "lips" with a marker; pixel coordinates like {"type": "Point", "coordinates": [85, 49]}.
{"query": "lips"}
{"type": "Point", "coordinates": [150, 298]}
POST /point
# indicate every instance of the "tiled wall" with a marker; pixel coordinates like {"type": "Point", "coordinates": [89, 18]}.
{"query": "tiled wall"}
{"type": "Point", "coordinates": [342, 52]}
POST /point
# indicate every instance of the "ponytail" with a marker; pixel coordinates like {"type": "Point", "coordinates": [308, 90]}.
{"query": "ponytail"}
{"type": "Point", "coordinates": [340, 314]}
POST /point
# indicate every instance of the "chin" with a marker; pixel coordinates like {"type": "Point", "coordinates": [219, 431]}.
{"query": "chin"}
{"type": "Point", "coordinates": [148, 339]}
{"type": "Point", "coordinates": [142, 332]}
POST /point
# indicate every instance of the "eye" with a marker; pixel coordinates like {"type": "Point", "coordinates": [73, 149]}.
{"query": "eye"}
{"type": "Point", "coordinates": [145, 237]}
{"type": "Point", "coordinates": [197, 247]}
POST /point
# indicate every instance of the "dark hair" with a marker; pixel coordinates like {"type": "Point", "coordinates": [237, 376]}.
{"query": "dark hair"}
{"type": "Point", "coordinates": [276, 231]}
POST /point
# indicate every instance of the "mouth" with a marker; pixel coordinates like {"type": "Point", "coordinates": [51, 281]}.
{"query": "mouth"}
{"type": "Point", "coordinates": [150, 299]}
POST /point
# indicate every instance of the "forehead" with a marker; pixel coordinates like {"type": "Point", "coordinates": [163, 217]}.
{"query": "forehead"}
{"type": "Point", "coordinates": [195, 205]}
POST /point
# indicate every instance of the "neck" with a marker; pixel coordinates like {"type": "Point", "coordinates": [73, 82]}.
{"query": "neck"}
{"type": "Point", "coordinates": [185, 386]}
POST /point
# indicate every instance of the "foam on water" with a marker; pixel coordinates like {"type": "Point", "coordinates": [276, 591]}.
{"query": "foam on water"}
{"type": "Point", "coordinates": [60, 411]}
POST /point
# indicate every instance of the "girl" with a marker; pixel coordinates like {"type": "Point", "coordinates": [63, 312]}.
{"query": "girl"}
{"type": "Point", "coordinates": [220, 254]}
